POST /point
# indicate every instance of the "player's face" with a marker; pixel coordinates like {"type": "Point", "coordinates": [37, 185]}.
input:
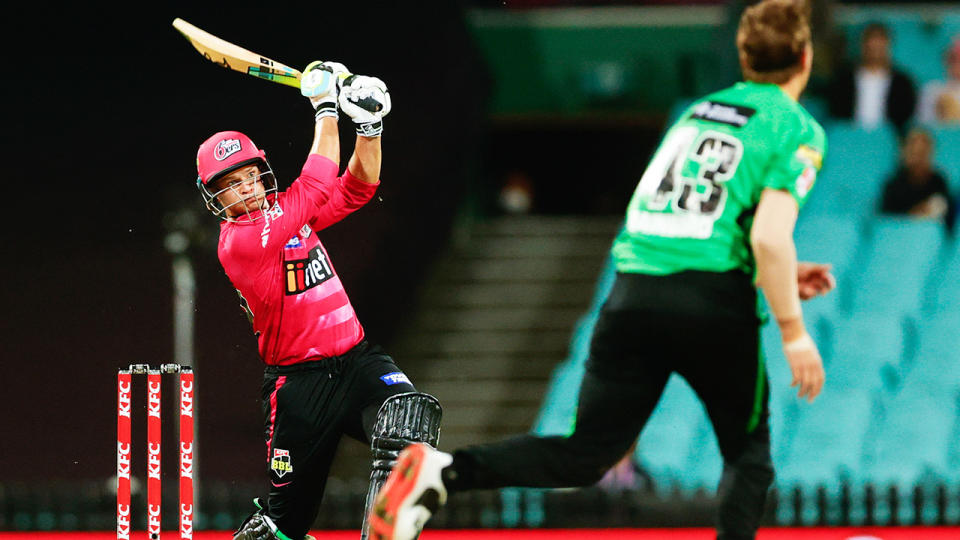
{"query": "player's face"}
{"type": "Point", "coordinates": [241, 191]}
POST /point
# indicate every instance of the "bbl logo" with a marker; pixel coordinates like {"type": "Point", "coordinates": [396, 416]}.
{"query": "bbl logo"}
{"type": "Point", "coordinates": [303, 274]}
{"type": "Point", "coordinates": [280, 463]}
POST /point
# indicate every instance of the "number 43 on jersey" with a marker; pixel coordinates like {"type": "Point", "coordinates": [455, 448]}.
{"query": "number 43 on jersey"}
{"type": "Point", "coordinates": [682, 192]}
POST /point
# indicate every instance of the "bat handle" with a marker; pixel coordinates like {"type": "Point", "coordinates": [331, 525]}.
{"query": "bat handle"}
{"type": "Point", "coordinates": [370, 104]}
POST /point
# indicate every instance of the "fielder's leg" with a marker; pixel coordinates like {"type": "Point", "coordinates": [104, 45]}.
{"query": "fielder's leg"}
{"type": "Point", "coordinates": [733, 386]}
{"type": "Point", "coordinates": [403, 419]}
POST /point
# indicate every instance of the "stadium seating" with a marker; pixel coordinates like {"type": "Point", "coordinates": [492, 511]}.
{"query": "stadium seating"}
{"type": "Point", "coordinates": [943, 287]}
{"type": "Point", "coordinates": [899, 258]}
{"type": "Point", "coordinates": [852, 187]}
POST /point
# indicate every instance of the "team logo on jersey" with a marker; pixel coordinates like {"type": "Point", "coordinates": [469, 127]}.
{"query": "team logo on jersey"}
{"type": "Point", "coordinates": [396, 377]}
{"type": "Point", "coordinates": [226, 148]}
{"type": "Point", "coordinates": [303, 274]}
{"type": "Point", "coordinates": [280, 463]}
{"type": "Point", "coordinates": [723, 113]}
{"type": "Point", "coordinates": [298, 239]}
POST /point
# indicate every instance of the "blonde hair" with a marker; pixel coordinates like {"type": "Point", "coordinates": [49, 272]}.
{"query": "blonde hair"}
{"type": "Point", "coordinates": [771, 40]}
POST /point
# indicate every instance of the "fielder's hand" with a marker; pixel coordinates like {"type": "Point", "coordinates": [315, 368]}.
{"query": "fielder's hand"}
{"type": "Point", "coordinates": [366, 101]}
{"type": "Point", "coordinates": [814, 280]}
{"type": "Point", "coordinates": [805, 366]}
{"type": "Point", "coordinates": [320, 83]}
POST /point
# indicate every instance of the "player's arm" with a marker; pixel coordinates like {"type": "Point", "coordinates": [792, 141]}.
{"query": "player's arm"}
{"type": "Point", "coordinates": [772, 241]}
{"type": "Point", "coordinates": [366, 100]}
{"type": "Point", "coordinates": [321, 85]}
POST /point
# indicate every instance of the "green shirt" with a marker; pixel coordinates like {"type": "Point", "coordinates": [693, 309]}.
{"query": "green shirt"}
{"type": "Point", "coordinates": [694, 205]}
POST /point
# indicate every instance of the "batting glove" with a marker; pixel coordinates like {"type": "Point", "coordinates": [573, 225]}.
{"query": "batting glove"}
{"type": "Point", "coordinates": [366, 101]}
{"type": "Point", "coordinates": [320, 83]}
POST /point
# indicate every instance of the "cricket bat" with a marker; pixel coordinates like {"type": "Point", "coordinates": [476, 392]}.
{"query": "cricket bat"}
{"type": "Point", "coordinates": [230, 56]}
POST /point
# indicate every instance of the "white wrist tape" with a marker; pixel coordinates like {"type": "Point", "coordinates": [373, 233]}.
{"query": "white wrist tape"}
{"type": "Point", "coordinates": [802, 343]}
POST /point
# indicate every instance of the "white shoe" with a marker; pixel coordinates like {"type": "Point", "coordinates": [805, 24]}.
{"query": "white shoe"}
{"type": "Point", "coordinates": [411, 494]}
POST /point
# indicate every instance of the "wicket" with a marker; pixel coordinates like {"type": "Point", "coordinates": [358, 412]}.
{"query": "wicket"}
{"type": "Point", "coordinates": [154, 435]}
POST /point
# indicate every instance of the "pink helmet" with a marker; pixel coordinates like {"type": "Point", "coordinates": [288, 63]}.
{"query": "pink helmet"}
{"type": "Point", "coordinates": [224, 153]}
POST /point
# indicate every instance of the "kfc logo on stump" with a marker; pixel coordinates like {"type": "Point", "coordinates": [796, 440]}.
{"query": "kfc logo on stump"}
{"type": "Point", "coordinates": [226, 148]}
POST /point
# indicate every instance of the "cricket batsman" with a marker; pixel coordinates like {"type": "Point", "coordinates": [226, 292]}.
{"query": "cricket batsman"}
{"type": "Point", "coordinates": [322, 379]}
{"type": "Point", "coordinates": [710, 222]}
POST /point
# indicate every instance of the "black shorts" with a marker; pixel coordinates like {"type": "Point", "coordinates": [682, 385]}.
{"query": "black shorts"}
{"type": "Point", "coordinates": [703, 326]}
{"type": "Point", "coordinates": [307, 408]}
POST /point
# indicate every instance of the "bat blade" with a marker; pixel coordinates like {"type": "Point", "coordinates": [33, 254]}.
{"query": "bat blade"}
{"type": "Point", "coordinates": [230, 56]}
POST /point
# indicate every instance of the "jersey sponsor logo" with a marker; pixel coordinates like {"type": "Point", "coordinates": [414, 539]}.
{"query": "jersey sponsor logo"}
{"type": "Point", "coordinates": [280, 462]}
{"type": "Point", "coordinates": [225, 149]}
{"type": "Point", "coordinates": [810, 156]}
{"type": "Point", "coordinates": [303, 274]}
{"type": "Point", "coordinates": [396, 377]}
{"type": "Point", "coordinates": [723, 113]}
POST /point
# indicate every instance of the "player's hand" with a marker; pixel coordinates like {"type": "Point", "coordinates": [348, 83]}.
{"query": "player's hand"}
{"type": "Point", "coordinates": [320, 83]}
{"type": "Point", "coordinates": [805, 366]}
{"type": "Point", "coordinates": [366, 101]}
{"type": "Point", "coordinates": [814, 280]}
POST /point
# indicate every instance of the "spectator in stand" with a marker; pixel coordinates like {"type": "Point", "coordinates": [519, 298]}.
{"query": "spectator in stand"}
{"type": "Point", "coordinates": [916, 188]}
{"type": "Point", "coordinates": [874, 90]}
{"type": "Point", "coordinates": [940, 100]}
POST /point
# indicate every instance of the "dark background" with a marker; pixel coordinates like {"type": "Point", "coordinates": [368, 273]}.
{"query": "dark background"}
{"type": "Point", "coordinates": [105, 109]}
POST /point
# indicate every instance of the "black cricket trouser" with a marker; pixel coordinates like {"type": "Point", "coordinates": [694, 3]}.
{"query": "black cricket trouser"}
{"type": "Point", "coordinates": [307, 409]}
{"type": "Point", "coordinates": [701, 325]}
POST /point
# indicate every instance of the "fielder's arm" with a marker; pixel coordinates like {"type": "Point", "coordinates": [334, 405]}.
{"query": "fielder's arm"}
{"type": "Point", "coordinates": [772, 241]}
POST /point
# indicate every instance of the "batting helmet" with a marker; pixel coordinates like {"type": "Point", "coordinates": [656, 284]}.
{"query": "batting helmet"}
{"type": "Point", "coordinates": [223, 153]}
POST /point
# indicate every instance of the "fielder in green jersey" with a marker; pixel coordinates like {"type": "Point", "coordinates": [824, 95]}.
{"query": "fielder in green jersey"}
{"type": "Point", "coordinates": [693, 208]}
{"type": "Point", "coordinates": [711, 222]}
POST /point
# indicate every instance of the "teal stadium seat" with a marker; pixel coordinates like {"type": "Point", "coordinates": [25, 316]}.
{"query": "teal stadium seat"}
{"type": "Point", "coordinates": [943, 292]}
{"type": "Point", "coordinates": [665, 447]}
{"type": "Point", "coordinates": [829, 438]}
{"type": "Point", "coordinates": [832, 239]}
{"type": "Point", "coordinates": [946, 155]}
{"type": "Point", "coordinates": [936, 369]}
{"type": "Point", "coordinates": [858, 162]}
{"type": "Point", "coordinates": [900, 255]}
{"type": "Point", "coordinates": [915, 439]}
{"type": "Point", "coordinates": [862, 348]}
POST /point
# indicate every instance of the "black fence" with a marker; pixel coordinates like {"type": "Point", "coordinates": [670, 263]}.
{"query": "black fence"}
{"type": "Point", "coordinates": [223, 505]}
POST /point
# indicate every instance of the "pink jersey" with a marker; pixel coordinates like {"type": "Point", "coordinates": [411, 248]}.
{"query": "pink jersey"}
{"type": "Point", "coordinates": [293, 296]}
